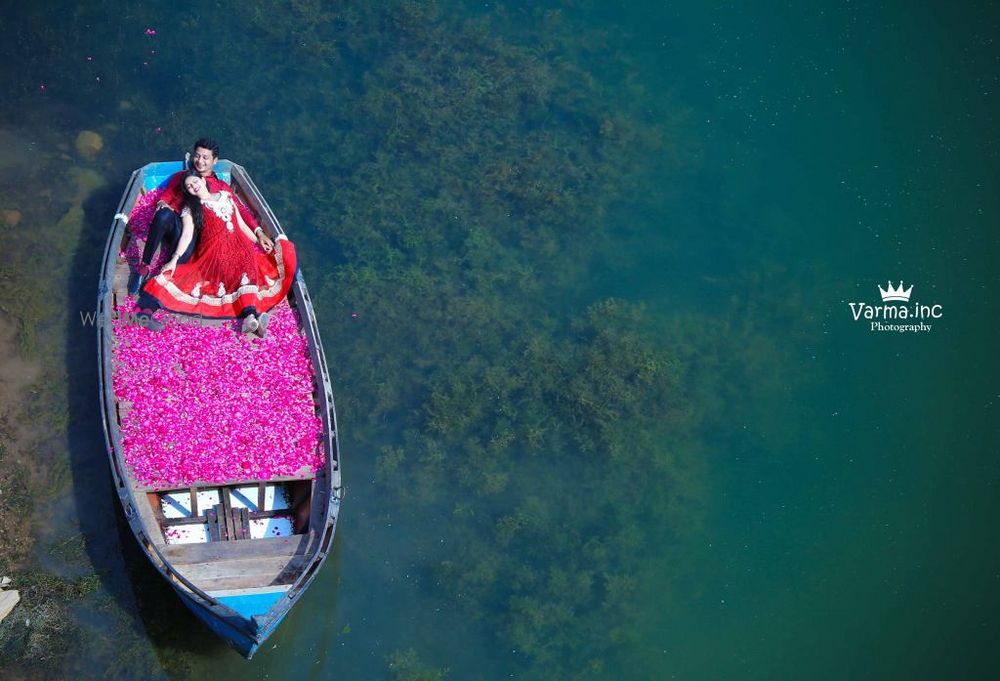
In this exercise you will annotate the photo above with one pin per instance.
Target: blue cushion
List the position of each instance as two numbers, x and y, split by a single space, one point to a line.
157 174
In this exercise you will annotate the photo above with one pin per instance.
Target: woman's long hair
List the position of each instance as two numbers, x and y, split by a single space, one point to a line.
193 203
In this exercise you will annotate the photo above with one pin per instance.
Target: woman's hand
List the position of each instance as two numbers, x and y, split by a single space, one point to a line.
264 240
169 268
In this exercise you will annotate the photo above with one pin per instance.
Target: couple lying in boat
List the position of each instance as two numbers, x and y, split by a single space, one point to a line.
222 264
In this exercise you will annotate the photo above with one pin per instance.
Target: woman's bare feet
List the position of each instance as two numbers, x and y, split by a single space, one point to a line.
262 320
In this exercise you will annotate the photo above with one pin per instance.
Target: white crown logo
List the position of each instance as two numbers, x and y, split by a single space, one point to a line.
895 293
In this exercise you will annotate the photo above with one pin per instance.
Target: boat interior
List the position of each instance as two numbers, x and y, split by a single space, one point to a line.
243 542
240 536
211 513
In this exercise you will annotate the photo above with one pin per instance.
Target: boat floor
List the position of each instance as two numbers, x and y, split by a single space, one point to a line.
218 566
225 566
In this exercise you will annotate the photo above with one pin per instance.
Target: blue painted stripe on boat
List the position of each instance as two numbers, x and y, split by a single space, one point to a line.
249 605
237 639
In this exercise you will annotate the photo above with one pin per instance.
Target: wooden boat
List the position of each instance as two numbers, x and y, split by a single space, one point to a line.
239 583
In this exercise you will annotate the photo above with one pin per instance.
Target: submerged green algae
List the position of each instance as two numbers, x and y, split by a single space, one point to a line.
470 192
405 665
452 182
44 554
478 197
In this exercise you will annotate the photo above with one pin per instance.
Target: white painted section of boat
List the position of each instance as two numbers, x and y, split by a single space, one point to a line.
280 588
271 527
187 534
178 504
275 498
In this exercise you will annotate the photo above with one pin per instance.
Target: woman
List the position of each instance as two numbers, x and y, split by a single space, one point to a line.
226 276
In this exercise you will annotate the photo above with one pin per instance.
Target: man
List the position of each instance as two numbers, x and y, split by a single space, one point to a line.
165 228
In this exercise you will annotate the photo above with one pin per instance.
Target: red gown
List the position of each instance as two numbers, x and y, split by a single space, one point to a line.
227 273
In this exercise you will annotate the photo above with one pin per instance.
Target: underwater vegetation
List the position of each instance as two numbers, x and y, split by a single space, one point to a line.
468 186
37 631
452 179
470 195
52 574
406 666
15 509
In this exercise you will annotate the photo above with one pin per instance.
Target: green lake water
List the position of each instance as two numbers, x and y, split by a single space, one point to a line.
583 273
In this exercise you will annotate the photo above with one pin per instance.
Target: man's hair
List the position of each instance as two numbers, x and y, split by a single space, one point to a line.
207 143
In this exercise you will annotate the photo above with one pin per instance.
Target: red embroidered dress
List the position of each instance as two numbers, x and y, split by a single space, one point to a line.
227 273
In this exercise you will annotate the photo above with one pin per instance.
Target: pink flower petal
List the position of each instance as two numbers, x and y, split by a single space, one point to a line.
208 405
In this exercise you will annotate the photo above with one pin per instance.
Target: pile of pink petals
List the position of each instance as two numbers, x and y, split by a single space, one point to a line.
205 404
138 224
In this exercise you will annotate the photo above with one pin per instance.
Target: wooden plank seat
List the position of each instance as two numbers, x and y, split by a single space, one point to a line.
228 512
246 573
228 524
251 515
186 554
240 564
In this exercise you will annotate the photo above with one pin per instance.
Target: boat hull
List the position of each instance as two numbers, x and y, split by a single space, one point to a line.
232 633
243 618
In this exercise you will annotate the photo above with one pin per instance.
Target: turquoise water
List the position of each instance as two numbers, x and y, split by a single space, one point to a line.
737 480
